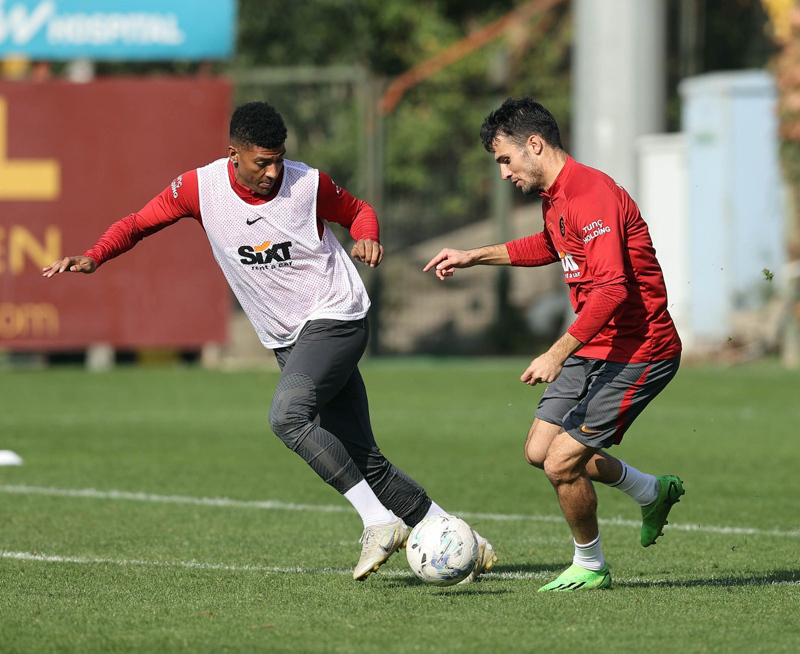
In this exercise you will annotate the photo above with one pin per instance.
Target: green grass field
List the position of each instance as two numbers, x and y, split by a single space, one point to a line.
145 562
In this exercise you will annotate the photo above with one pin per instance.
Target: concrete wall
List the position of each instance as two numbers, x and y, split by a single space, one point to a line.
713 197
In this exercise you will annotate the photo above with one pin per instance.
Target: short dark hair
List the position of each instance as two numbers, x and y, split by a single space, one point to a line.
517 119
259 124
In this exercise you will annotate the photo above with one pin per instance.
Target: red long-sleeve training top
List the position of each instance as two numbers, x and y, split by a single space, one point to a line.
181 199
616 285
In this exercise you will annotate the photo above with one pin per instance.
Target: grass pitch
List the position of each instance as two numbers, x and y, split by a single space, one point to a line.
156 511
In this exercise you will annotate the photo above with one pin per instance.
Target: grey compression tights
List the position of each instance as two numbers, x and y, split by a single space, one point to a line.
320 411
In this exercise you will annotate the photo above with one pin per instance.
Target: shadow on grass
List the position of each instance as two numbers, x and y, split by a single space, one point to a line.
445 591
498 572
774 578
530 568
472 590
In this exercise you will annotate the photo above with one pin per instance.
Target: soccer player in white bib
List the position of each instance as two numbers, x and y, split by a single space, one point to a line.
266 221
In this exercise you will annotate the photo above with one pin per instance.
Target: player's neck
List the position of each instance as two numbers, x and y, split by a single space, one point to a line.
553 165
244 185
248 194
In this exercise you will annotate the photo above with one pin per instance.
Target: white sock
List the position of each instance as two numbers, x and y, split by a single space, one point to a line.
369 507
641 487
434 509
589 556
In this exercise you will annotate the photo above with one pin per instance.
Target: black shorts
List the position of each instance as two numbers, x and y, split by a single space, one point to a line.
595 401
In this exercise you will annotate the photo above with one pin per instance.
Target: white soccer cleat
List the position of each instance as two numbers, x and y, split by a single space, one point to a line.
378 543
486 560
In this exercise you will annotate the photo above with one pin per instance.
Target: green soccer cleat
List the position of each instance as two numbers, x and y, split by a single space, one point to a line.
577 578
654 516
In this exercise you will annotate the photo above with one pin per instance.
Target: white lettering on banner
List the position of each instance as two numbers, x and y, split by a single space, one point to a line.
109 29
96 29
22 26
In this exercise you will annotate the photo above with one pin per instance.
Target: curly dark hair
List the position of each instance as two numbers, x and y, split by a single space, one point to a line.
259 124
517 119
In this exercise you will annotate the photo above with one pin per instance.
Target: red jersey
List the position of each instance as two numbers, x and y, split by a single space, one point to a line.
617 288
181 199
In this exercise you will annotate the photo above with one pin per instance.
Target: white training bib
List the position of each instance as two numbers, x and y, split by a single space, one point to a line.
282 273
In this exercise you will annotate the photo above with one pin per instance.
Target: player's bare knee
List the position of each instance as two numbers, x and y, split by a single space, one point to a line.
559 471
540 436
534 455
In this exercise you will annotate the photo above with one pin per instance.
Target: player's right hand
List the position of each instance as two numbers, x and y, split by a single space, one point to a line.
448 260
70 264
544 369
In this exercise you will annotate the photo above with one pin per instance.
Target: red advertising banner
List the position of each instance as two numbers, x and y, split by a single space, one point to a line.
73 159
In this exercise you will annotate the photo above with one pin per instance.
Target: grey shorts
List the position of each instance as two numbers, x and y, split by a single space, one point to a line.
595 401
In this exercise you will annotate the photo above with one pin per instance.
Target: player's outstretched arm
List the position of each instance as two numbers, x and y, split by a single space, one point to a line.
70 264
368 251
446 262
179 199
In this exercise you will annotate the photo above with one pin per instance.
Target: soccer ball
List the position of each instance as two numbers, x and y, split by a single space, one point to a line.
442 550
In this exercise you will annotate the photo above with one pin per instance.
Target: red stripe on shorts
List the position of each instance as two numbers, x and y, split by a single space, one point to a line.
627 400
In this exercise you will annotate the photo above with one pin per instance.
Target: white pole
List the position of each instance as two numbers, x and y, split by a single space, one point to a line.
620 80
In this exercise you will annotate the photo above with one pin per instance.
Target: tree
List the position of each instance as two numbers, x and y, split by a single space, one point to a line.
435 166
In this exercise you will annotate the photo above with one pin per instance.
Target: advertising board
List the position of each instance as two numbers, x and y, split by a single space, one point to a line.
75 158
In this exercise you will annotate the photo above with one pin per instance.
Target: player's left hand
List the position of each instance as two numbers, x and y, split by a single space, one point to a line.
543 370
368 251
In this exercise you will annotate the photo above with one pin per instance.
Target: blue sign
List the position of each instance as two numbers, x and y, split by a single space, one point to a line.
117 29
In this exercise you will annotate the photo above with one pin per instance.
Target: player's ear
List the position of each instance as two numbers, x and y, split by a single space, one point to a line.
233 155
535 143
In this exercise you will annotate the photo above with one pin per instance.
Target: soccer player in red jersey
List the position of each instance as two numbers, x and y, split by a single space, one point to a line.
266 222
620 352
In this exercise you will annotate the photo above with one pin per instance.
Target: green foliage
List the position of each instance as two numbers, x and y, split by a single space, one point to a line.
388 36
736 35
436 171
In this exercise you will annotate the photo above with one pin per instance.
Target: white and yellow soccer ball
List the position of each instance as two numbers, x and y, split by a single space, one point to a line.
442 550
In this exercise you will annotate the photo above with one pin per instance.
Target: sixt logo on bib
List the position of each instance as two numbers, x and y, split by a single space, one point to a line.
266 254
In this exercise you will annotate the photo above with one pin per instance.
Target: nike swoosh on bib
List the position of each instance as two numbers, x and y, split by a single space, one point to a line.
250 222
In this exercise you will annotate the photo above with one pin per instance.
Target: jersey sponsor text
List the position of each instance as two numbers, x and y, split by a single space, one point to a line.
594 229
569 265
264 254
176 184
